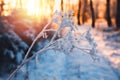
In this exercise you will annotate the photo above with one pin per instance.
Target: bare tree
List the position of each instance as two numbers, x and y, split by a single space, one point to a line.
78 15
108 14
93 14
21 5
1 7
118 15
84 11
61 5
51 3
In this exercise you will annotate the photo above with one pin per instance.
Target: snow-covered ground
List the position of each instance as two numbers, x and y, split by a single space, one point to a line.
77 65
109 46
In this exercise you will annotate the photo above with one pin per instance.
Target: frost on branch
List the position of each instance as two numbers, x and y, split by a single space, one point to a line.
72 36
66 38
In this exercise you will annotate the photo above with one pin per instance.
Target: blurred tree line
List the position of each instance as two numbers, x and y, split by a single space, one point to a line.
95 9
84 9
15 42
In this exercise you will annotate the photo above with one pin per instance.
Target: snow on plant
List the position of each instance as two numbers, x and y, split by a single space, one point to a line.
65 39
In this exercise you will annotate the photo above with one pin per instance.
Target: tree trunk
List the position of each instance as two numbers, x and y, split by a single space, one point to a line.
93 14
1 6
108 14
61 5
84 11
78 15
118 15
21 4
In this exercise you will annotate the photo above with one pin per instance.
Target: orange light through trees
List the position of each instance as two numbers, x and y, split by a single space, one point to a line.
37 7
32 7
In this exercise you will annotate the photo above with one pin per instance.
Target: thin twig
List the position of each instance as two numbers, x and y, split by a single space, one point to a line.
50 30
25 58
38 36
88 49
25 61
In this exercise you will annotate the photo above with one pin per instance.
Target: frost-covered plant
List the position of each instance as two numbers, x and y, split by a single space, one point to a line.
65 39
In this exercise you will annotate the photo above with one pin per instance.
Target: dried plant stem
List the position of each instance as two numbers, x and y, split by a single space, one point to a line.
50 45
38 36
25 60
50 30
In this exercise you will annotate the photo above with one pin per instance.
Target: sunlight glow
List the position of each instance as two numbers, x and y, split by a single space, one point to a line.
37 7
32 7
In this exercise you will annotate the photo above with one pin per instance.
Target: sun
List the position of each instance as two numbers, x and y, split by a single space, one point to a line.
38 8
33 7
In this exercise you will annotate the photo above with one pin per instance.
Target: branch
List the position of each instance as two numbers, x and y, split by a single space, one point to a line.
49 30
25 60
38 36
88 49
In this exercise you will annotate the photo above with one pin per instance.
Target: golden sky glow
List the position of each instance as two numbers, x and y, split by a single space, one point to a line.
37 7
32 7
